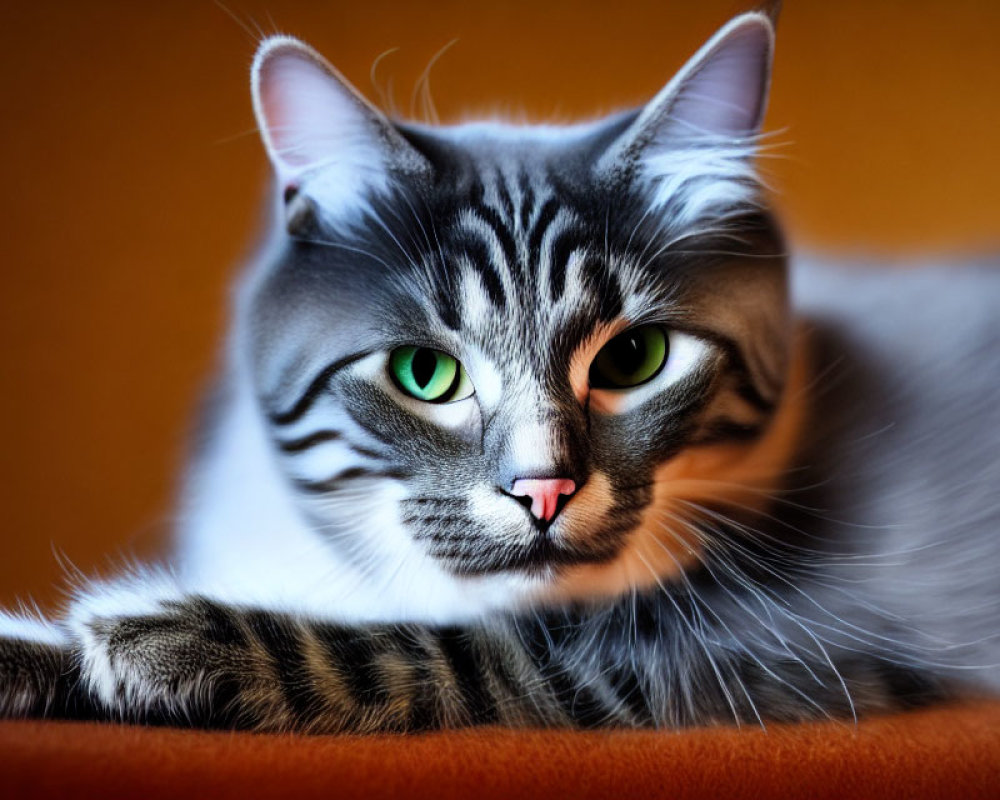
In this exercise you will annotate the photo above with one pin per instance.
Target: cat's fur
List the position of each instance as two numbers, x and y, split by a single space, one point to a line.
796 518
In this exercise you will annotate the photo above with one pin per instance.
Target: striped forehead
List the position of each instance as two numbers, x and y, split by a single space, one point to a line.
528 277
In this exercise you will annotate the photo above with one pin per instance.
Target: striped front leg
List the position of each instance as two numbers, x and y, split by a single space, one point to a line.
197 662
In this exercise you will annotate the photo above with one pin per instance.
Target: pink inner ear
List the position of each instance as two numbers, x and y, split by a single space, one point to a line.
725 96
309 117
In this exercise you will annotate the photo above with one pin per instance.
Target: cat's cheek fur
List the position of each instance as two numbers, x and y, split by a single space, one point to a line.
667 542
588 510
486 503
653 552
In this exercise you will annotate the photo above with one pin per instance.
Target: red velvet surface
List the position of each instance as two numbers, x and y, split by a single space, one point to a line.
940 753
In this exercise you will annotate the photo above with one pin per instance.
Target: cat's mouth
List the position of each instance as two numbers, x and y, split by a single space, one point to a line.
543 556
550 549
495 533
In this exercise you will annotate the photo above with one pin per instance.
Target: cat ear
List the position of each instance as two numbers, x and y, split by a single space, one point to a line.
321 135
719 96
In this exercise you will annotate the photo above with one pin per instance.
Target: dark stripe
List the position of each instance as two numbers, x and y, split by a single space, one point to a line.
44 681
578 701
727 430
423 705
909 687
282 643
223 707
467 566
745 387
478 254
221 625
332 484
455 553
625 683
313 390
365 451
507 243
445 303
504 194
543 640
352 654
462 658
545 217
306 442
458 532
444 501
605 286
527 200
345 476
477 191
748 392
512 686
437 518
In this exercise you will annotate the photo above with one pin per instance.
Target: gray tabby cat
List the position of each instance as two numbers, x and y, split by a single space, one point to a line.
518 427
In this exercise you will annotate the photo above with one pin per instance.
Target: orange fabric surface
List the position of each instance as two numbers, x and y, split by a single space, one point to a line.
946 752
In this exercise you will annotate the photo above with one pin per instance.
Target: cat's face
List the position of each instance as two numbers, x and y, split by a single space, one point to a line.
506 351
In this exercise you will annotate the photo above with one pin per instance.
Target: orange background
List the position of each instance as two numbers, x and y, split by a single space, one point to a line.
132 182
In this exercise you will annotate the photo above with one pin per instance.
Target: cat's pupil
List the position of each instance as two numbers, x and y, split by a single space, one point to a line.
629 352
423 366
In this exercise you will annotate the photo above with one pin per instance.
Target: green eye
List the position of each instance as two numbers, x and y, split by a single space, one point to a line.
428 375
630 359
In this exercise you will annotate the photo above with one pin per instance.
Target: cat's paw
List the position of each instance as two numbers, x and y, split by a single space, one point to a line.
165 661
159 655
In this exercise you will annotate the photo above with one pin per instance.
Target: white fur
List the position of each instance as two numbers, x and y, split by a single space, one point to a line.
322 461
31 628
485 377
475 302
701 183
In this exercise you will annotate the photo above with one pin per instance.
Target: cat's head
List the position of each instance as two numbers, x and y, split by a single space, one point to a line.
505 354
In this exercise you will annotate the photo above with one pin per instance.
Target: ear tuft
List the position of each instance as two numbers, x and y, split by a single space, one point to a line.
692 146
720 94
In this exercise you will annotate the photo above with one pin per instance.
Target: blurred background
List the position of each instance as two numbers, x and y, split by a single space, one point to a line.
132 183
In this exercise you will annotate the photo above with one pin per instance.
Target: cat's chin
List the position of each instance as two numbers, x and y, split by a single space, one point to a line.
555 570
543 559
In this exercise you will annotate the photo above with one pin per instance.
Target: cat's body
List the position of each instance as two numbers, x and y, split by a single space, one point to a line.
517 427
902 453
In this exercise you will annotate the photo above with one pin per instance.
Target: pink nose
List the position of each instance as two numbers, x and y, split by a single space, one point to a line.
544 494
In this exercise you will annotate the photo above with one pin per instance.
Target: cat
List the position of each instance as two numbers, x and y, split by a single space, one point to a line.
529 425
